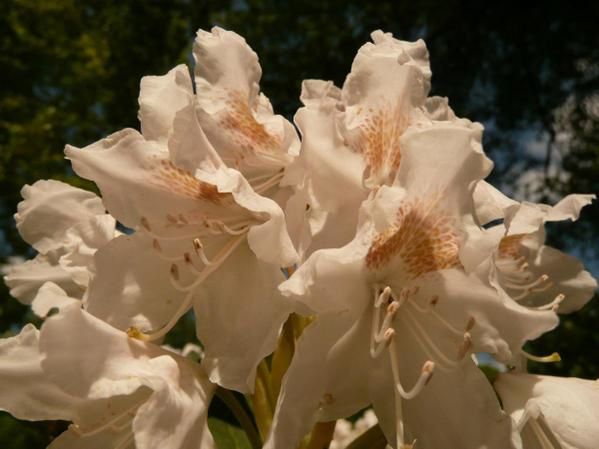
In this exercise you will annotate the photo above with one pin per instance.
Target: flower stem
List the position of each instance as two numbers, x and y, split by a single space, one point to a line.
263 411
246 423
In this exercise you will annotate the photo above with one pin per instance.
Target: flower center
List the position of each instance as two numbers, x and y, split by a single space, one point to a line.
405 307
254 145
424 238
515 275
378 141
180 181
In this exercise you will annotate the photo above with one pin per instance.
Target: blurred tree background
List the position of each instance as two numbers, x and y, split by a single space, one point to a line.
70 73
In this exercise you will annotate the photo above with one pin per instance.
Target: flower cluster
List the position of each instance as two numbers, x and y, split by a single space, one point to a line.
362 265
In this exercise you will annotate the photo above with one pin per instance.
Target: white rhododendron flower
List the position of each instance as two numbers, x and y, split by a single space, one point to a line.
66 226
199 222
145 397
552 412
398 290
534 274
359 267
351 136
237 118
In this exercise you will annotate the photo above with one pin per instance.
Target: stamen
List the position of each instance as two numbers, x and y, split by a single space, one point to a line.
540 280
551 358
553 305
381 334
199 249
470 324
383 297
190 264
465 346
430 309
261 188
218 226
218 260
175 272
146 224
260 178
425 374
186 303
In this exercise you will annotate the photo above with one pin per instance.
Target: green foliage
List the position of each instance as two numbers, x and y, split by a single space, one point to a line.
226 436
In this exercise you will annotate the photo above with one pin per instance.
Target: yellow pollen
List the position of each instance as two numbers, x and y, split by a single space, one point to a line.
424 239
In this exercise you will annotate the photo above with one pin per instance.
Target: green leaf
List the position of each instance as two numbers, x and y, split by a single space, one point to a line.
228 436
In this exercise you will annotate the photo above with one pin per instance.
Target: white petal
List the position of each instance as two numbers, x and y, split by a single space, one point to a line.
49 208
437 108
330 280
501 325
327 378
388 80
239 313
25 392
138 180
188 145
24 280
323 150
84 240
160 98
132 285
50 296
224 59
238 121
569 405
529 217
175 417
457 408
444 159
102 362
490 204
568 277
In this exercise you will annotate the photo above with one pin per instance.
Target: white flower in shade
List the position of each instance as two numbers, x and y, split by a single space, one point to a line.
203 234
237 118
168 395
552 412
66 226
351 136
395 305
532 273
117 392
